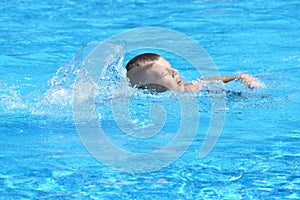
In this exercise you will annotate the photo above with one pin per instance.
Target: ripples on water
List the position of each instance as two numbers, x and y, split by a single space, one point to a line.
245 156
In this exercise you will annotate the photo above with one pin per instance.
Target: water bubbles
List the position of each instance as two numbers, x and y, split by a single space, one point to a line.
11 100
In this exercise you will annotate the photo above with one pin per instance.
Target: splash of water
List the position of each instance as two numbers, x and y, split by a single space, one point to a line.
57 100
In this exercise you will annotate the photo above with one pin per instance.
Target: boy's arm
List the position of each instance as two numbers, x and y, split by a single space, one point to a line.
224 79
246 79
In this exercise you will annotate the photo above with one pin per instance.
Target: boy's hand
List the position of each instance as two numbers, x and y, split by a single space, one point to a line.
249 81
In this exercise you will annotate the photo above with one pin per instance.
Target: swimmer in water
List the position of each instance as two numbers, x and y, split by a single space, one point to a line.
151 71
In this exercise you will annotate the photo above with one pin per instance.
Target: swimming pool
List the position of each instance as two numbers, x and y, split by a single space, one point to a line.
257 154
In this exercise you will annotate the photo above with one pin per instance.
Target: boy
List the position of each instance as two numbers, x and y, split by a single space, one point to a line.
151 71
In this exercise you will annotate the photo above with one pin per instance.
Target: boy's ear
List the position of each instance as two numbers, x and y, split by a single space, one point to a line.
136 77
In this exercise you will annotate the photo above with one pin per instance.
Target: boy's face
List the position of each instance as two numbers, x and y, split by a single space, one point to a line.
163 74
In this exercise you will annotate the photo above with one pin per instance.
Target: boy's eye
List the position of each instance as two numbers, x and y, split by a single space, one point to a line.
165 73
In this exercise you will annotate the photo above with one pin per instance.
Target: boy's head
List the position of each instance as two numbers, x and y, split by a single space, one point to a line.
151 71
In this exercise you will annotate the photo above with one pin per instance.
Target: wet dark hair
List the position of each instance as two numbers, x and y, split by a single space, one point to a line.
142 63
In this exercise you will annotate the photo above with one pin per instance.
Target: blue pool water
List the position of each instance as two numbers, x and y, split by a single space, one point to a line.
257 155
